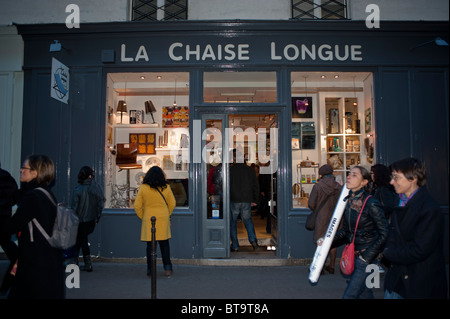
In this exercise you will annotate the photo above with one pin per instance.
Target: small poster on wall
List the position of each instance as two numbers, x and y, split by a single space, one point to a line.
302 107
175 116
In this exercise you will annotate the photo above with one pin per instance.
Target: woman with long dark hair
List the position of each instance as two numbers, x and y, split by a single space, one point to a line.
155 198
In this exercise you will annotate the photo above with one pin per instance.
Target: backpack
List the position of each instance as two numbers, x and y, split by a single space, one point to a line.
65 228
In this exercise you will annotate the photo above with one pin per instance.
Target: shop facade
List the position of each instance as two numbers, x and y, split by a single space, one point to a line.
213 75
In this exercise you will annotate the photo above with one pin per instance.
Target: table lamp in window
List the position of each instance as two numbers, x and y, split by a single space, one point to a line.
150 108
121 108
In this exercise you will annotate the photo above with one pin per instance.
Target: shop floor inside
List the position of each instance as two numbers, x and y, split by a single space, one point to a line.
267 247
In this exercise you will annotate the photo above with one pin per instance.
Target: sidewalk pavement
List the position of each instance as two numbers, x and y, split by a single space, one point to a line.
126 280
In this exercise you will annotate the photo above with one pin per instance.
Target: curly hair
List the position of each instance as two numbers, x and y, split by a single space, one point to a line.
155 177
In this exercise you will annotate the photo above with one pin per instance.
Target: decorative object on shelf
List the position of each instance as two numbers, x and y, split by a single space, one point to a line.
150 108
139 177
145 142
139 117
132 116
121 108
152 161
295 143
167 162
302 107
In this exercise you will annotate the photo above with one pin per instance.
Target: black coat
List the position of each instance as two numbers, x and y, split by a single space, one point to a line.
8 193
372 229
415 249
40 270
244 186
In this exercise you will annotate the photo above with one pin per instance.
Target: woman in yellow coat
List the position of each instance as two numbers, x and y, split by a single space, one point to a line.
155 198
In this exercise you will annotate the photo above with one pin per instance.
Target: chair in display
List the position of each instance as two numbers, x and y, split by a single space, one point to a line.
126 160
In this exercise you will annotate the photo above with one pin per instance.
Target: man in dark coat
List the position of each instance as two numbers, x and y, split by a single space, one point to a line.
414 247
244 193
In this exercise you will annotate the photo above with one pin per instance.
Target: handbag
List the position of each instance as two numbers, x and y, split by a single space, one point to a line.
347 262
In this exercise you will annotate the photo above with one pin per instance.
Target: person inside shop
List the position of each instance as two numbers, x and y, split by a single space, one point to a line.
88 201
8 198
414 248
155 198
371 233
40 271
322 201
244 193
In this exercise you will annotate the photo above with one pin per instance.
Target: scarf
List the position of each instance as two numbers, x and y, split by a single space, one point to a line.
356 200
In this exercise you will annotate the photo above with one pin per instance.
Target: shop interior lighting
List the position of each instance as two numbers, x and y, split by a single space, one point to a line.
121 108
355 103
306 93
122 105
175 96
150 108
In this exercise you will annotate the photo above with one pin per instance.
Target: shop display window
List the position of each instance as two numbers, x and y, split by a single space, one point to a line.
147 125
332 123
240 87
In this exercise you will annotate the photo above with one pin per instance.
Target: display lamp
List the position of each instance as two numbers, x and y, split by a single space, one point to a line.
121 108
150 108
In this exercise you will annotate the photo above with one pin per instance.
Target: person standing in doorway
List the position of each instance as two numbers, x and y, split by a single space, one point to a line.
244 193
324 196
155 198
414 248
88 201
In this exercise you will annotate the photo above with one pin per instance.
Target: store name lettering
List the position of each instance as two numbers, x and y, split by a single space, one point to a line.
241 52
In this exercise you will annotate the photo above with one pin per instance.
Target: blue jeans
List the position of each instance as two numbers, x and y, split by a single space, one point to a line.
356 287
392 295
245 210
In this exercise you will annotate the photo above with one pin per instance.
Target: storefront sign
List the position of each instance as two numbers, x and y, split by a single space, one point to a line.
237 52
59 86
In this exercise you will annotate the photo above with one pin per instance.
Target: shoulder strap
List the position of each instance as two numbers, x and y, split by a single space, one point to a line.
161 195
47 194
357 222
36 223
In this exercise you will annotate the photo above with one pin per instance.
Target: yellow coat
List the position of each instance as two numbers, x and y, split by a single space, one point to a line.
148 203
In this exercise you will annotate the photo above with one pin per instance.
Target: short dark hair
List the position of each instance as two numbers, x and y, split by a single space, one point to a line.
155 177
411 167
84 174
381 174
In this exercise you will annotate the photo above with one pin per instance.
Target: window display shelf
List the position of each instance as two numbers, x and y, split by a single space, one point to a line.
152 125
